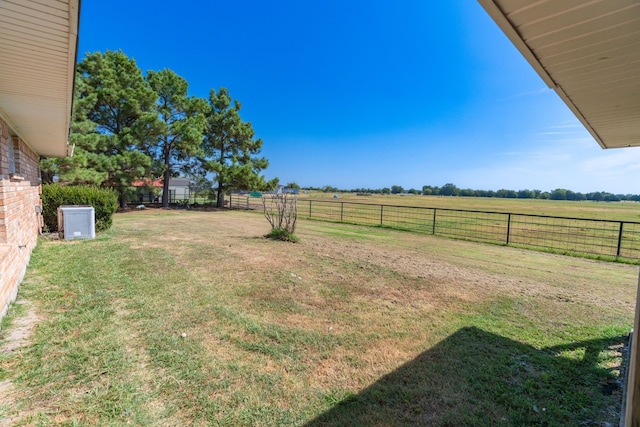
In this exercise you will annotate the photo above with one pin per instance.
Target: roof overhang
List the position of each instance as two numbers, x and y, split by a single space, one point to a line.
38 41
588 52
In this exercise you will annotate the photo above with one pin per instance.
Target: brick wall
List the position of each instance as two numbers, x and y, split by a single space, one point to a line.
20 221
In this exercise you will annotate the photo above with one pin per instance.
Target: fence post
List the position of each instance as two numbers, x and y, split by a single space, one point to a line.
433 227
508 227
341 211
619 238
381 212
309 208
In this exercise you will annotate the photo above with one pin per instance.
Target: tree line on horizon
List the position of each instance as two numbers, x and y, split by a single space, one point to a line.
129 127
452 190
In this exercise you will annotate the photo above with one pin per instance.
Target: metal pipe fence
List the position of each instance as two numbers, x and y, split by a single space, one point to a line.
578 236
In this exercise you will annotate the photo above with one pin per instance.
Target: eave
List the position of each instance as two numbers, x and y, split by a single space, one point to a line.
38 41
588 52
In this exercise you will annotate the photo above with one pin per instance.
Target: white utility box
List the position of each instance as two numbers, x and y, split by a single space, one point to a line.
76 222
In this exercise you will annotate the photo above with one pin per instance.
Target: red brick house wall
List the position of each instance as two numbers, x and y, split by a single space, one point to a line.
20 218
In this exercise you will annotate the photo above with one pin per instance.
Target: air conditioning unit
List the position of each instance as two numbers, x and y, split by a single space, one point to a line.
76 222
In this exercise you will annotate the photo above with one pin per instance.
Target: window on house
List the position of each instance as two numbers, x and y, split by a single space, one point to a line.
14 156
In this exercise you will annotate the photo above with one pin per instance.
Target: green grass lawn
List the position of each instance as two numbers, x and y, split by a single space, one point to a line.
193 318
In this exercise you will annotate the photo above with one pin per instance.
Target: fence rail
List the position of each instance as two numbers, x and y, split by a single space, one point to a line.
580 236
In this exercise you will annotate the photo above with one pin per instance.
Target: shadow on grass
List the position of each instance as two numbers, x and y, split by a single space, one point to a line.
476 378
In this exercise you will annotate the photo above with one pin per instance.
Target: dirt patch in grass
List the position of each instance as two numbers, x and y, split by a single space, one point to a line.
20 331
17 336
469 283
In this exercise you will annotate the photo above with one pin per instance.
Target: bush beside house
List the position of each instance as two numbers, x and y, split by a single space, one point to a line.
104 202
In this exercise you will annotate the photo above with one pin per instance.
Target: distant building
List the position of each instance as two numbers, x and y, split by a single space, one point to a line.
286 190
150 191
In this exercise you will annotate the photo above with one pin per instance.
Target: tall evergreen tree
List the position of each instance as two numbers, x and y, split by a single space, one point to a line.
84 166
114 120
183 122
230 148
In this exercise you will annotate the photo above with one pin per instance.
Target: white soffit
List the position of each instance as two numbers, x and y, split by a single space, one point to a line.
588 51
38 41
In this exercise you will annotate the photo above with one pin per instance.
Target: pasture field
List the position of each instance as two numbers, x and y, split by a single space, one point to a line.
586 229
193 318
612 211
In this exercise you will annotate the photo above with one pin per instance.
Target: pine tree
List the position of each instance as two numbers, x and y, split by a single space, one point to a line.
114 120
183 121
230 148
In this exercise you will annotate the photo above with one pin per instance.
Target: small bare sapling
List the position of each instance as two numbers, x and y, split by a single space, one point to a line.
281 210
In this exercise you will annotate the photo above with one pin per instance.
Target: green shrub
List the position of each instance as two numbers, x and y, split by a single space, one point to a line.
104 202
282 234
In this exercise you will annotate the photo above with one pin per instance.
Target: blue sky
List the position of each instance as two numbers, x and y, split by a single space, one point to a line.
370 94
